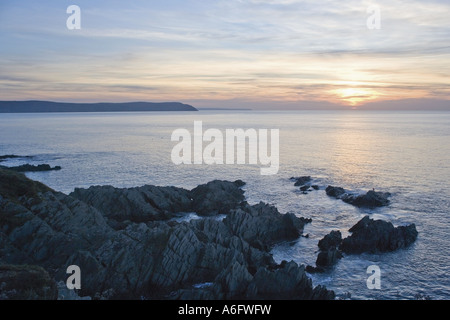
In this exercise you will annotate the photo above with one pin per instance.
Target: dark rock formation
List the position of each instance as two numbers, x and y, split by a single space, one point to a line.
371 199
372 236
150 203
217 197
25 282
335 192
42 227
301 181
304 188
32 168
304 183
287 281
311 269
139 204
368 235
331 240
329 253
328 258
263 224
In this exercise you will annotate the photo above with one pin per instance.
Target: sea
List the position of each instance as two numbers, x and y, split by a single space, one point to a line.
401 152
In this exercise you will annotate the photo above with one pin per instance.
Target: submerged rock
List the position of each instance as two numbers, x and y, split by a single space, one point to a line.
373 236
305 184
301 181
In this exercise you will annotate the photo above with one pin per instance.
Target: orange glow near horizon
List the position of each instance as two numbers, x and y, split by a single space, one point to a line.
355 96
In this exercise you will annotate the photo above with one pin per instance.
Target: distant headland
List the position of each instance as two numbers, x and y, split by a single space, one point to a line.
50 106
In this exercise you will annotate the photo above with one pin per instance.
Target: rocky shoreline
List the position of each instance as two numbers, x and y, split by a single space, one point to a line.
128 245
140 252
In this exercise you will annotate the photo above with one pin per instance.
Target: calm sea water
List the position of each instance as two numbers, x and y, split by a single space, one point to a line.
407 154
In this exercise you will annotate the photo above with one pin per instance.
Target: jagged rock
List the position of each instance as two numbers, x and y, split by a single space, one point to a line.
371 199
234 281
263 223
26 282
315 187
331 240
329 255
152 259
372 236
140 204
287 283
328 258
149 203
48 230
304 188
301 181
217 197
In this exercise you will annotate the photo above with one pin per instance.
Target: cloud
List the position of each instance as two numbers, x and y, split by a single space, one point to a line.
271 49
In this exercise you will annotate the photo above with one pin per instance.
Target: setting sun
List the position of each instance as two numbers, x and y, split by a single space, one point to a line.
355 96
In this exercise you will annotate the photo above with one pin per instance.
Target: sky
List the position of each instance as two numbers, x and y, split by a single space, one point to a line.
283 54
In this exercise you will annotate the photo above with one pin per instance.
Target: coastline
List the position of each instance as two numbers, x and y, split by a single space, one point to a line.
131 233
35 106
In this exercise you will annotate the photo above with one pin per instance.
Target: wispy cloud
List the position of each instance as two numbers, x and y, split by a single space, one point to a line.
245 49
